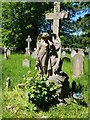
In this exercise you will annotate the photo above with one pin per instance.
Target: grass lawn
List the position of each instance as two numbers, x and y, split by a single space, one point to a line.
15 101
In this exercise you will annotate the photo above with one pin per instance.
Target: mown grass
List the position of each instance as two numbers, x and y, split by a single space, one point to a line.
14 69
15 101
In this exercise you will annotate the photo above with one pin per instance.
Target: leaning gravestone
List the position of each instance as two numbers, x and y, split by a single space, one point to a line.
78 60
5 52
8 82
26 63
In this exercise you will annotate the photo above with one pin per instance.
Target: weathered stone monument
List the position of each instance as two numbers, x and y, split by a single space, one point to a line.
56 16
8 82
78 60
48 56
28 48
5 52
26 63
80 51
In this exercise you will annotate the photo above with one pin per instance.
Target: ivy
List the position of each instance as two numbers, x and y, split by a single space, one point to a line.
39 92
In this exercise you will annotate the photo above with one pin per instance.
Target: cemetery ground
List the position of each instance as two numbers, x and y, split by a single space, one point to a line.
15 101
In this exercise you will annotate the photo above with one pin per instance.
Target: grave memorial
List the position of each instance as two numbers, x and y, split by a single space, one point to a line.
28 48
56 16
5 52
48 53
78 65
26 63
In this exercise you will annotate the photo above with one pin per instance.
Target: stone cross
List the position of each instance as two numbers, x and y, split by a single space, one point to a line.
56 16
28 40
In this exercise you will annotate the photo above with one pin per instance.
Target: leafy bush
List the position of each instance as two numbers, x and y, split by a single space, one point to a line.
39 92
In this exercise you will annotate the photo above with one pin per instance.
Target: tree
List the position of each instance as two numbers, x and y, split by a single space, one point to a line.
20 19
71 27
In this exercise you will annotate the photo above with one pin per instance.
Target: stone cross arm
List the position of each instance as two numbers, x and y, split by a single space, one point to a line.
28 39
57 15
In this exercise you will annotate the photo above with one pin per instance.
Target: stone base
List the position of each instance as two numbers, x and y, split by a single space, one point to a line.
61 80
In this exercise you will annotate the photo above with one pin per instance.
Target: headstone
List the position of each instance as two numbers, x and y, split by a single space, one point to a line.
34 53
8 52
26 63
5 53
73 52
80 51
63 54
28 48
8 82
78 65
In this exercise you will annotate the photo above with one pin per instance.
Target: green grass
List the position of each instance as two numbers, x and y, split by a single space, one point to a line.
14 69
15 101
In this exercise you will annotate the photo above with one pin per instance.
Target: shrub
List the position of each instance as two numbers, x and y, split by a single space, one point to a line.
39 92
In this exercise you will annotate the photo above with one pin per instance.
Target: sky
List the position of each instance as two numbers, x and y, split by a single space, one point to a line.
81 14
78 14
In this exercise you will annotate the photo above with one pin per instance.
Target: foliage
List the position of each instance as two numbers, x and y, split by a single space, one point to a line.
14 69
19 19
15 102
75 29
39 92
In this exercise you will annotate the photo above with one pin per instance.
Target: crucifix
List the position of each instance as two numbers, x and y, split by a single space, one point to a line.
56 16
28 48
29 40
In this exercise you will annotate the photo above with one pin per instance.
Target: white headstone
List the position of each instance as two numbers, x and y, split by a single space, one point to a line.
26 63
78 65
5 53
8 82
63 54
73 53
